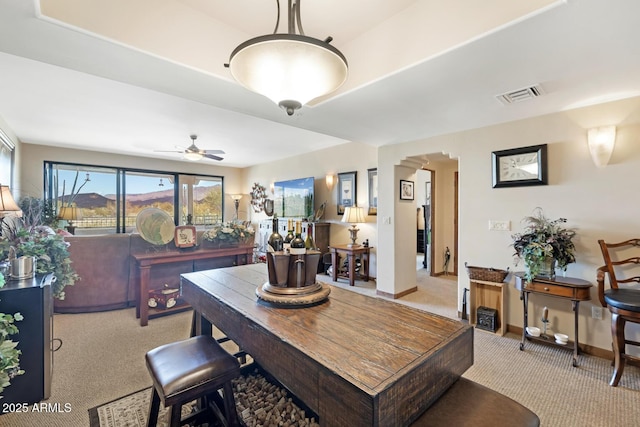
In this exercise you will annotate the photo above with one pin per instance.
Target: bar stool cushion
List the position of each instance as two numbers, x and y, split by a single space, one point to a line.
186 370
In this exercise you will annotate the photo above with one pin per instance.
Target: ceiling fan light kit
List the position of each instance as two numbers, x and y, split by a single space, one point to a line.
290 69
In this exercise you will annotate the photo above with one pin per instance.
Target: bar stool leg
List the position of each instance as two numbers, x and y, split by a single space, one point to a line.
230 404
176 415
154 407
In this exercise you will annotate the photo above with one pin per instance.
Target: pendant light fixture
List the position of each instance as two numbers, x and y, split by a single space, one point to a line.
290 69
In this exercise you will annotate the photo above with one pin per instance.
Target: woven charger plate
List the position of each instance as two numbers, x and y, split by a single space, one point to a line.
294 300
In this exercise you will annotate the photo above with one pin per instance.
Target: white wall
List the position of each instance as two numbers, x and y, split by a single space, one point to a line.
343 158
599 203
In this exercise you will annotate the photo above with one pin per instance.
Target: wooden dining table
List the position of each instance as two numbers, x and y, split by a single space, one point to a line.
355 360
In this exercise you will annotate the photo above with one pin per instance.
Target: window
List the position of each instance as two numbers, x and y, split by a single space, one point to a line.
6 159
109 199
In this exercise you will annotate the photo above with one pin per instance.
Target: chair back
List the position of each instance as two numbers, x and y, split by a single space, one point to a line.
621 264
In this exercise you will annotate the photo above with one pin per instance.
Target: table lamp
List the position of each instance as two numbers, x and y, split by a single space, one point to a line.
7 204
70 214
353 215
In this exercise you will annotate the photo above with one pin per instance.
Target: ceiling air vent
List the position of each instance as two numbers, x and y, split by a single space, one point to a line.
520 94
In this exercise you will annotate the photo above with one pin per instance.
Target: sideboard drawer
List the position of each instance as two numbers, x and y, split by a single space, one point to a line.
547 288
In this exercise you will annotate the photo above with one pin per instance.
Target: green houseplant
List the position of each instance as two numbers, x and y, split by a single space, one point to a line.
9 354
229 233
32 235
544 244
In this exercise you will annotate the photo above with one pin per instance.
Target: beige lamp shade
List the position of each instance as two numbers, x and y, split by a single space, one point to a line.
353 215
70 213
7 203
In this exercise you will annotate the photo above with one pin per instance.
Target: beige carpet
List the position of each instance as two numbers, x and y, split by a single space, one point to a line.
102 358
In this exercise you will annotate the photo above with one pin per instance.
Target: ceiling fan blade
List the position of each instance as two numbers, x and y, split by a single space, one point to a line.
211 156
212 152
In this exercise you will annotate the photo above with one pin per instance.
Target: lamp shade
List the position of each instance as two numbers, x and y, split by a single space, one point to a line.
353 215
289 69
70 213
601 141
7 203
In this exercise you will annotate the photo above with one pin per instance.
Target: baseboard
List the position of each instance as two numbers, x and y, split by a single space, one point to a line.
398 295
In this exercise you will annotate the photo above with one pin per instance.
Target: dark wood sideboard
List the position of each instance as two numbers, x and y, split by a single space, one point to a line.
33 299
185 261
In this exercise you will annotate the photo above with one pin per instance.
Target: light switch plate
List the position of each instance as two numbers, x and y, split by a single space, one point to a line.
495 225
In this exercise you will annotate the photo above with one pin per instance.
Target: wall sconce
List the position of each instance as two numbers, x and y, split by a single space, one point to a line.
601 141
329 181
236 201
272 187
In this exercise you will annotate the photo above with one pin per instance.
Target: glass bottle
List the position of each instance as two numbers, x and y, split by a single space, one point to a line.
309 243
297 244
276 242
289 237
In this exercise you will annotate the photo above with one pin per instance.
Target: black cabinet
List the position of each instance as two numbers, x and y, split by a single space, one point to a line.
33 299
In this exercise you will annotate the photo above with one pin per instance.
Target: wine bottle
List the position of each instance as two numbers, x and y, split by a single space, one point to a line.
289 237
297 243
309 244
276 241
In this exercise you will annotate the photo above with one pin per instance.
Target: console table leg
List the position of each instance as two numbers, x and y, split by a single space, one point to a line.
576 348
525 309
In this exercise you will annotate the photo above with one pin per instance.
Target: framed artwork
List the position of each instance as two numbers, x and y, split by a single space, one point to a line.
185 236
406 190
346 190
519 167
373 191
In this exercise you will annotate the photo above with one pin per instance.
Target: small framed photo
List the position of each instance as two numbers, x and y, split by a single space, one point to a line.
519 167
346 190
406 190
373 191
185 236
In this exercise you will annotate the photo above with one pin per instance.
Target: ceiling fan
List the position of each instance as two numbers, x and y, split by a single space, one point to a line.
194 153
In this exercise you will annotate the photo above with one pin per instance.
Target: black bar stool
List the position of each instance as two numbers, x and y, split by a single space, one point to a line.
192 369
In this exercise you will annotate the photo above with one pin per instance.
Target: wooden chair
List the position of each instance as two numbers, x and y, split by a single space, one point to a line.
622 298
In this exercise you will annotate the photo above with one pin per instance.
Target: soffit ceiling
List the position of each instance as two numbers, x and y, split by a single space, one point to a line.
131 77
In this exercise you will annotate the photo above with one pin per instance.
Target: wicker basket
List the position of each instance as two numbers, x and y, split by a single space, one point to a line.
487 274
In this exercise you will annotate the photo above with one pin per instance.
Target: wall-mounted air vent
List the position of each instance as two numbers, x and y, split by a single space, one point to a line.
520 94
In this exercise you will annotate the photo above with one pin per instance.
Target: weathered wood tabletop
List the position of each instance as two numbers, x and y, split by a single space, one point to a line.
353 359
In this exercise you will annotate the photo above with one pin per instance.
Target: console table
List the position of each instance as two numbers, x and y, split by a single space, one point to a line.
351 252
225 257
569 288
354 360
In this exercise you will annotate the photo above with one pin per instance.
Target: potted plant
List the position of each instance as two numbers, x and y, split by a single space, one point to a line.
229 234
544 245
9 354
29 236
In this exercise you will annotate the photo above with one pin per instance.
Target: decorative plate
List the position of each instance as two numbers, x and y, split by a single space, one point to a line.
155 226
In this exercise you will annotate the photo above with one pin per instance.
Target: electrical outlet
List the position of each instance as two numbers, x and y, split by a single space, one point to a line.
386 220
596 312
499 225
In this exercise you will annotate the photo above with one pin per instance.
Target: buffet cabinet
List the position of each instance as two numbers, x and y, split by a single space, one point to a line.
33 299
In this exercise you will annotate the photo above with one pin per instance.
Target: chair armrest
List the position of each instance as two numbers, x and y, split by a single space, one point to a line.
602 271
